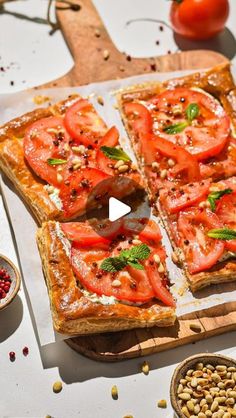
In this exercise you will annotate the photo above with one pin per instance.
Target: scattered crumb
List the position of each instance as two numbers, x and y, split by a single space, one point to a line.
121 68
12 83
38 100
128 57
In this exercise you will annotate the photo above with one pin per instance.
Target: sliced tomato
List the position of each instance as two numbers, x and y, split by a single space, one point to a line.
201 251
158 283
139 117
41 143
135 286
76 190
182 197
226 211
145 228
83 234
83 123
186 163
111 139
208 133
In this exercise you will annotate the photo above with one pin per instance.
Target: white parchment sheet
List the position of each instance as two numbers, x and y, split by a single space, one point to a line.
25 228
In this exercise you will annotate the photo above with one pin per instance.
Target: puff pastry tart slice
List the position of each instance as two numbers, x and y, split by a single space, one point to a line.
200 219
55 157
104 276
183 130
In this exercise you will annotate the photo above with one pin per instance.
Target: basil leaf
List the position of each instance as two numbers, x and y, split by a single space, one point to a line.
192 111
115 153
113 264
213 196
127 257
136 265
140 252
224 234
56 161
176 128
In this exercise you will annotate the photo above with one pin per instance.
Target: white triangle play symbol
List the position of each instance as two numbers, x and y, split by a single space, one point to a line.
117 209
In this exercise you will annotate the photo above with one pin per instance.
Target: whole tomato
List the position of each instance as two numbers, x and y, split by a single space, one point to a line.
199 19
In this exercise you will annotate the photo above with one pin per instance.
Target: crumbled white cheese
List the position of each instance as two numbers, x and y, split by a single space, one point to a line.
104 300
53 194
65 242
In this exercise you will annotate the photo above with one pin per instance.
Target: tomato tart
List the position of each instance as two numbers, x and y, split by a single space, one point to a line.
183 130
104 276
200 219
56 156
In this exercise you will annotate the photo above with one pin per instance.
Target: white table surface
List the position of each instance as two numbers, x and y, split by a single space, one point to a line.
30 57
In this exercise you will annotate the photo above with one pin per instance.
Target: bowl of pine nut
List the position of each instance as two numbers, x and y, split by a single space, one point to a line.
204 386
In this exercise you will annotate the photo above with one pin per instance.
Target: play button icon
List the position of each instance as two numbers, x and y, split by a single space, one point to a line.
117 209
115 198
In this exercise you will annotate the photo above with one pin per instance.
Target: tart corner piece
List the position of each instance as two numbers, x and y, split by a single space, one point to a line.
73 312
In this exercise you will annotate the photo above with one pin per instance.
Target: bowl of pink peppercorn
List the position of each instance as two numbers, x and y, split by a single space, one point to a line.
9 281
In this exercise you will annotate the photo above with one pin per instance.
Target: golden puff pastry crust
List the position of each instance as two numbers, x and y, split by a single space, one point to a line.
222 272
72 312
14 166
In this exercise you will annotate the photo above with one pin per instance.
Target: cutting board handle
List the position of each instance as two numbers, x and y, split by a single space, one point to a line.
80 29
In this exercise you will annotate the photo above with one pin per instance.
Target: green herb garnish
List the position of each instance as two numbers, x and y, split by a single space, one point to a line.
127 257
213 196
115 153
224 234
191 112
176 128
56 161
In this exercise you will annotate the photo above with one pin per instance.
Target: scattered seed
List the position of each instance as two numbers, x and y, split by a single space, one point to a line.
57 387
145 368
116 283
162 403
195 327
114 392
106 54
123 168
97 33
100 100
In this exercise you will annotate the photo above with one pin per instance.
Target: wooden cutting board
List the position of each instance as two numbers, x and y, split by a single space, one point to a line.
81 30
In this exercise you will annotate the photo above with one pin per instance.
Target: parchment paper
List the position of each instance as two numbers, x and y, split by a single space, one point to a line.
25 228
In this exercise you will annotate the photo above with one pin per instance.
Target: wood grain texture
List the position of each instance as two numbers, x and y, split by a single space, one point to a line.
79 30
90 66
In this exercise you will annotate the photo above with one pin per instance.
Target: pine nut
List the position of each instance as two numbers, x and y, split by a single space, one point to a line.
119 164
116 283
163 174
123 168
156 258
155 166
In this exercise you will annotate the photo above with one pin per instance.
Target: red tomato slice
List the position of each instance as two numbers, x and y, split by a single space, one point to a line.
158 283
201 251
180 198
135 286
146 229
40 144
111 139
75 191
208 133
83 123
139 117
226 211
186 163
82 234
